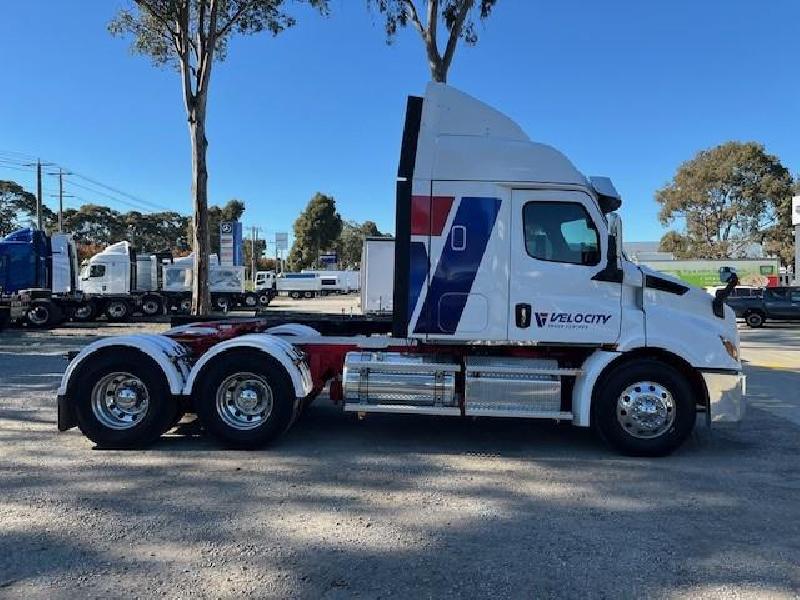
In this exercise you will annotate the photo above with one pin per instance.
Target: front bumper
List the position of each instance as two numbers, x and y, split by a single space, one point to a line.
726 396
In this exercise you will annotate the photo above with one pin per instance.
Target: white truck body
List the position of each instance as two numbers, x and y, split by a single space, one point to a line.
119 269
338 282
377 275
302 284
511 298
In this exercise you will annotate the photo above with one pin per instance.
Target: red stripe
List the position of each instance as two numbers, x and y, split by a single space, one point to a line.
429 214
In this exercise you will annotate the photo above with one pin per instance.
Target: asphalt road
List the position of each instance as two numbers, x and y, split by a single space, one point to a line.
399 506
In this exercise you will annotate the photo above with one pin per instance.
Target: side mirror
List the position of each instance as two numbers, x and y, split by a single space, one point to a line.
725 274
615 230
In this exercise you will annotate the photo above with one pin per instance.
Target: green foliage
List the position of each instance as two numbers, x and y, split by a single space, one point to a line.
727 198
458 17
351 241
316 230
155 25
18 206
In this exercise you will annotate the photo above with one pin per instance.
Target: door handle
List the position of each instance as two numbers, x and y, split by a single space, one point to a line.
522 313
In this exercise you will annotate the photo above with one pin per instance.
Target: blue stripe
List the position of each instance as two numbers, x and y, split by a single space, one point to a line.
418 273
457 269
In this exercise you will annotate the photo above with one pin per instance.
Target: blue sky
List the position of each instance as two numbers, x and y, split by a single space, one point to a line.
625 88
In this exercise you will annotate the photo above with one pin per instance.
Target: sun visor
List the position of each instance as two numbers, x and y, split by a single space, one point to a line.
607 195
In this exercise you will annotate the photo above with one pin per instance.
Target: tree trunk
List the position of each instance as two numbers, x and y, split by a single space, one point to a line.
438 71
201 298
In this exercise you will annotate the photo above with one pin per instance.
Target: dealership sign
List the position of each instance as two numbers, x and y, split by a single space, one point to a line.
230 244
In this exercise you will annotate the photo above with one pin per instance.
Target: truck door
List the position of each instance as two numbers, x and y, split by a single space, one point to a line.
559 289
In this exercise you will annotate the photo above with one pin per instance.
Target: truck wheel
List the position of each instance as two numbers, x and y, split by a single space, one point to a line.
245 400
221 303
85 312
251 300
185 306
309 294
294 295
754 319
644 408
151 306
264 299
117 310
44 314
122 399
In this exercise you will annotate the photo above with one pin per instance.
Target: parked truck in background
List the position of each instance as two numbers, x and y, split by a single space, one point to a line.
298 285
511 299
752 272
40 281
38 277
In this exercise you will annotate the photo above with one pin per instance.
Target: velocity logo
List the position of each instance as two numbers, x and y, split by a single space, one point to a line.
564 319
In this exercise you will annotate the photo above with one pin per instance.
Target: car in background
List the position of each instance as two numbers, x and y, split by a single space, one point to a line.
774 303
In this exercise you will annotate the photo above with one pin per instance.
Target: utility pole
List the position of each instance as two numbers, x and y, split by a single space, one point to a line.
61 196
38 194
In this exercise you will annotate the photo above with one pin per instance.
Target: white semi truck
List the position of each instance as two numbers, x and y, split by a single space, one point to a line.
120 281
512 299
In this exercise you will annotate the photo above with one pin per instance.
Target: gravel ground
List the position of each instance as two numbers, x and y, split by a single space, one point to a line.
399 506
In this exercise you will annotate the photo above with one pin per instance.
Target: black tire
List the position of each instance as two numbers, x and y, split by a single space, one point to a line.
43 314
264 298
152 306
221 303
294 295
85 312
309 294
117 310
270 371
609 400
251 300
754 319
158 417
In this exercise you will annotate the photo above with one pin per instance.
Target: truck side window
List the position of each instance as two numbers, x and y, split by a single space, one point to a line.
560 232
97 271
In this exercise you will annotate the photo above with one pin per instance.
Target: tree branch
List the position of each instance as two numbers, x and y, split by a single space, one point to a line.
455 33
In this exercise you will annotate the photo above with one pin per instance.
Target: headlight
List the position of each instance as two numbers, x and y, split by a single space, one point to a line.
731 348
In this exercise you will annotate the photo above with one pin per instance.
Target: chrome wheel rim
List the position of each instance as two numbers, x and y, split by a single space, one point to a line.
38 315
250 300
646 409
244 401
116 310
120 400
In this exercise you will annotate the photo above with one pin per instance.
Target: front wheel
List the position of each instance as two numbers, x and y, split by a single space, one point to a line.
122 399
251 300
245 400
644 408
754 319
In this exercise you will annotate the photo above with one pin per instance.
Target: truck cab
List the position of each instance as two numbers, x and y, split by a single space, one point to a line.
510 298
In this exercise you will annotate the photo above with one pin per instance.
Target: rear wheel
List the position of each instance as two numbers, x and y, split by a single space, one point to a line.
264 299
122 399
85 312
294 295
245 400
309 294
221 303
117 310
754 319
151 306
644 408
251 300
44 314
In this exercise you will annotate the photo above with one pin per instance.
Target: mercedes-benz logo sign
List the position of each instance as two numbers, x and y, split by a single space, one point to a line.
227 227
